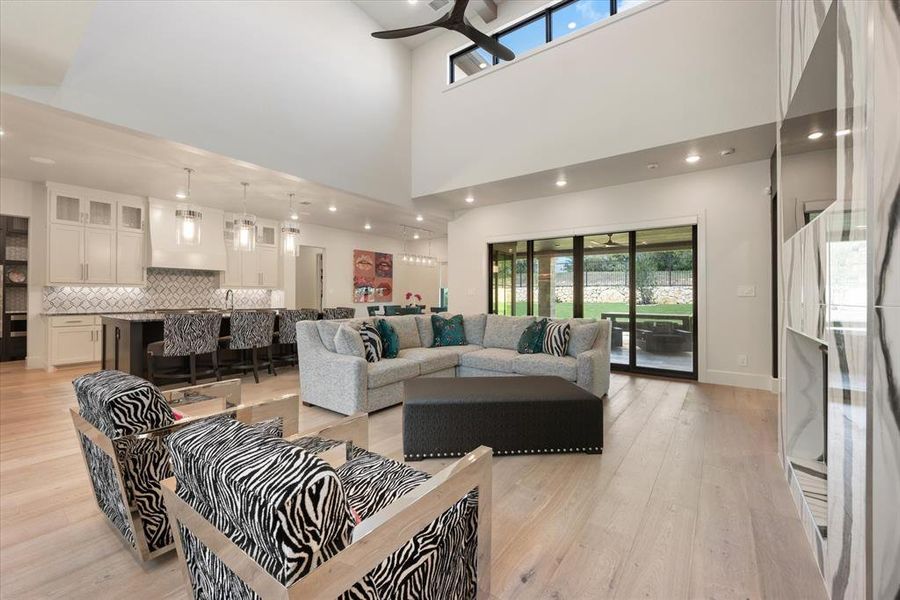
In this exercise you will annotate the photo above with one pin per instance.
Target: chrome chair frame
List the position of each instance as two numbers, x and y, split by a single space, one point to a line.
287 407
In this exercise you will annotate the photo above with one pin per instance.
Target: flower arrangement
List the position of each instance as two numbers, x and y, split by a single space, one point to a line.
409 299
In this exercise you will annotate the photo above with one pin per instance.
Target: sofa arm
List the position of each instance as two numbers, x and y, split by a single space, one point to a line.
593 371
333 381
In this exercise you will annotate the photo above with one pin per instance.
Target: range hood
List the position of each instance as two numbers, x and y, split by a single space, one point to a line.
165 252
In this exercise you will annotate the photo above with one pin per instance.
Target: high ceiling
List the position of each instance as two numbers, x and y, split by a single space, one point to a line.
395 14
101 156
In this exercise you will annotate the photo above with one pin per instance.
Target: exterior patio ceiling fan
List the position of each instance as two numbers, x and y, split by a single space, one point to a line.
455 20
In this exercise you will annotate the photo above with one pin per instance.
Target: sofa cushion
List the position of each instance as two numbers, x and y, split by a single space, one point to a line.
474 326
348 341
504 332
490 359
426 333
582 337
448 332
532 340
391 370
390 343
556 338
544 364
120 404
407 330
327 331
371 342
431 360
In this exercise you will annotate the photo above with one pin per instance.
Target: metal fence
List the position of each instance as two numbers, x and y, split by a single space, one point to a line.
620 278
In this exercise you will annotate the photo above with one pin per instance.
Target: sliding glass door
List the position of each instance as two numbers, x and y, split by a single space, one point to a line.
644 282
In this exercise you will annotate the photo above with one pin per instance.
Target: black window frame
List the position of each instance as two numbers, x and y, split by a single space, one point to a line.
546 13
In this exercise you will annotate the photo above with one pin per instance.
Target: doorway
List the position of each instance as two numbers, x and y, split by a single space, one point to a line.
310 280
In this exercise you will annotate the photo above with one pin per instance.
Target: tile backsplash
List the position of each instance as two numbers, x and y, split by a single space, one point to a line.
166 288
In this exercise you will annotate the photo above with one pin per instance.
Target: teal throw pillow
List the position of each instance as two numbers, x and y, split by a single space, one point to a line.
448 332
390 342
532 339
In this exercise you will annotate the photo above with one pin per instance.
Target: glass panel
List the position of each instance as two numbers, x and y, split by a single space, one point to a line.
576 15
508 272
131 217
470 63
266 235
664 296
100 213
552 267
623 5
528 36
606 288
68 209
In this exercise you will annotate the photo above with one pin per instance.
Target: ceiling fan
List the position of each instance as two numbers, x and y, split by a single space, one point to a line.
455 20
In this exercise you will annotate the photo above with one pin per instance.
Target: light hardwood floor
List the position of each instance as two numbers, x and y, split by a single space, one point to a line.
686 501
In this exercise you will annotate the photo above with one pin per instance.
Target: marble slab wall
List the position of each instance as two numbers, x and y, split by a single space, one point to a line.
166 288
799 22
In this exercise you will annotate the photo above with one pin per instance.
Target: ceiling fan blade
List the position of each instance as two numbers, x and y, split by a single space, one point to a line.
487 43
393 34
458 10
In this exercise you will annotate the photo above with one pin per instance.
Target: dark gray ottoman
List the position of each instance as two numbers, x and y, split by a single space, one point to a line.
445 416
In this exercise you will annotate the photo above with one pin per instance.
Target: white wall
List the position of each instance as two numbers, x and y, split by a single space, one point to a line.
307 290
669 72
339 245
732 212
29 199
299 87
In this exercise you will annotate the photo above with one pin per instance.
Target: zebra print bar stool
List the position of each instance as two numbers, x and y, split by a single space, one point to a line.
341 312
251 330
186 334
287 332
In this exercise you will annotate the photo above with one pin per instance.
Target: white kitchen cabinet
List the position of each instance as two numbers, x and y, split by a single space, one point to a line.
66 209
99 255
250 268
232 276
268 267
69 208
266 234
74 339
130 258
100 214
66 254
132 216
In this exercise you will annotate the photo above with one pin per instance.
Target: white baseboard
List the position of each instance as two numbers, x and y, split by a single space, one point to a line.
35 362
755 381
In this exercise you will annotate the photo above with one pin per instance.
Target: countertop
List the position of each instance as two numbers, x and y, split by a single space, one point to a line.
147 315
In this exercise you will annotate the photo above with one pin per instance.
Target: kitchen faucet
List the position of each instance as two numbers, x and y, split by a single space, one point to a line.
229 293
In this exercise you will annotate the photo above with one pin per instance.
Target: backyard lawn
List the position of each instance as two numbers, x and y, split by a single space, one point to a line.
593 310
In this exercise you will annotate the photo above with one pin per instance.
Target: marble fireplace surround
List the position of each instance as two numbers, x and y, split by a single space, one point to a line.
165 289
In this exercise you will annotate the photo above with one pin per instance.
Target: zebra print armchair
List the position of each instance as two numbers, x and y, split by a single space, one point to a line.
121 425
252 530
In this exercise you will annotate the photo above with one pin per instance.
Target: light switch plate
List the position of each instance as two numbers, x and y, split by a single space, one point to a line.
746 291
742 360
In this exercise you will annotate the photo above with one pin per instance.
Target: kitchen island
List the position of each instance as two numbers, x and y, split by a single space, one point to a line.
125 337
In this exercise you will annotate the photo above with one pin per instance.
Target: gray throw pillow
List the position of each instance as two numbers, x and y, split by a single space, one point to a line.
582 337
348 341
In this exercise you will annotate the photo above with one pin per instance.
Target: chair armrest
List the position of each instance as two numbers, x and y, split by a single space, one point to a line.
374 539
353 429
229 390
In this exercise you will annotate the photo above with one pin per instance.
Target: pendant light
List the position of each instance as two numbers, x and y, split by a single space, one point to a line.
290 232
244 227
187 217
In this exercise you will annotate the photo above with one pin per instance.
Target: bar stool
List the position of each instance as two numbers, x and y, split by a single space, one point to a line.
287 332
186 334
250 330
341 312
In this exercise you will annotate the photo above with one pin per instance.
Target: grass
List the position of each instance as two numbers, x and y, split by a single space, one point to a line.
595 309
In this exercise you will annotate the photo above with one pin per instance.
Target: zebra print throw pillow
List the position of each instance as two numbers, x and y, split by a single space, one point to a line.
556 338
372 342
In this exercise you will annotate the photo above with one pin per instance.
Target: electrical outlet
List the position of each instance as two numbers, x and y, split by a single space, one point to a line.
746 291
742 360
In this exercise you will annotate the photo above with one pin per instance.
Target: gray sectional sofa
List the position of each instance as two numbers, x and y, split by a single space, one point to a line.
346 383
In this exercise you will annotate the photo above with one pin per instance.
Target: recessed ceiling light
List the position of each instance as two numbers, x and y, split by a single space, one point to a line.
367 226
470 199
332 208
415 236
815 135
692 158
842 133
413 1
652 166
572 25
726 152
181 195
482 65
561 182
42 160
420 218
